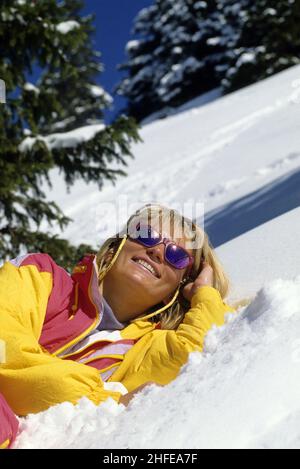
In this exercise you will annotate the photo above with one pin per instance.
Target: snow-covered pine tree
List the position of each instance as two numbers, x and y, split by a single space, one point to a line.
176 56
268 43
53 119
228 17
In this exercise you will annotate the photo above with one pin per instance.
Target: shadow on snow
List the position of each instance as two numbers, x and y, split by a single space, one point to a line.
254 209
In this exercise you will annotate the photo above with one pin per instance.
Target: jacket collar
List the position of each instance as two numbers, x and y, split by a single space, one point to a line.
85 274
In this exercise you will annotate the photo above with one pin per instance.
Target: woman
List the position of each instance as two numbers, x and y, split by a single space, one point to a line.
127 317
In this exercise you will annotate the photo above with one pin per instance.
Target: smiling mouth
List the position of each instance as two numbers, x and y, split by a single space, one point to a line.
145 266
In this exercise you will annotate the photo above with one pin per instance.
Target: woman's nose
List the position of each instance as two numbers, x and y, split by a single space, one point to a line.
156 252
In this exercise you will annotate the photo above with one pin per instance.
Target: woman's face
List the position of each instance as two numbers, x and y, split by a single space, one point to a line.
147 288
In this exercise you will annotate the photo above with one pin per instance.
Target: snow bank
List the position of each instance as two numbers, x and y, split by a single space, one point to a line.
64 139
242 392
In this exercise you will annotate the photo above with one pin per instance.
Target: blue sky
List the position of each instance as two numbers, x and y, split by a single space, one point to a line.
114 21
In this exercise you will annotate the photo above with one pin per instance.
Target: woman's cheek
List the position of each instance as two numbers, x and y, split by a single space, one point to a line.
172 281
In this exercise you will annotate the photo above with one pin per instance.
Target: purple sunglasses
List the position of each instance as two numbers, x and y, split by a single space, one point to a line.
175 255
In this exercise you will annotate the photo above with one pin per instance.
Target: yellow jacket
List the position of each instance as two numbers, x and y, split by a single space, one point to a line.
37 322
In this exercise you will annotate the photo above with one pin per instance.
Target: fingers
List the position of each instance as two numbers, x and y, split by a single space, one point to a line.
204 278
205 275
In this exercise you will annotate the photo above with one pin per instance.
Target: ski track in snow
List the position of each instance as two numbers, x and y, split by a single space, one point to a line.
232 184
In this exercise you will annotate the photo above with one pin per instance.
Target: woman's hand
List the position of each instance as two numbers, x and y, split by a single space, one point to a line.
206 277
127 397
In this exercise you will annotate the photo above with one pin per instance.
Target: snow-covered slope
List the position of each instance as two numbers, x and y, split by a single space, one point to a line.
262 254
240 156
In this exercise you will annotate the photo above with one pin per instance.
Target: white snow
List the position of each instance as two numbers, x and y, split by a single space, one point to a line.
200 5
246 57
270 11
176 75
240 156
177 50
98 91
131 45
269 251
32 88
242 392
66 26
63 139
213 41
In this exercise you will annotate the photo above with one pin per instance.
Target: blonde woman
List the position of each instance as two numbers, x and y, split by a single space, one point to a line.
126 317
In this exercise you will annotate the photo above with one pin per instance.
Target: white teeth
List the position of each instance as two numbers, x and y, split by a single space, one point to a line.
148 266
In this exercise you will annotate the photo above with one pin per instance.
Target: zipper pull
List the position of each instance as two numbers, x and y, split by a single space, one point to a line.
75 305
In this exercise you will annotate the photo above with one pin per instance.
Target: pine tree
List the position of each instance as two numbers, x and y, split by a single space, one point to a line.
53 118
268 43
186 47
176 56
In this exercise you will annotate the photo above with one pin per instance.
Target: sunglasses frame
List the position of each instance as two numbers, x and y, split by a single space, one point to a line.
166 242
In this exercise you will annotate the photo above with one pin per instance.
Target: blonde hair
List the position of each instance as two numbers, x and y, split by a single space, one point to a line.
171 315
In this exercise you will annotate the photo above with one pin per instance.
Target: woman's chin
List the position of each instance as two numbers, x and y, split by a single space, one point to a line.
140 279
140 284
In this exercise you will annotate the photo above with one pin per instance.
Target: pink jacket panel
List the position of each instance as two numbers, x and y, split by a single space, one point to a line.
74 305
9 424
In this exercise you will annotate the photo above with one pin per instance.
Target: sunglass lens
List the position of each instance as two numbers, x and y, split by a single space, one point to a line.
147 236
177 256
